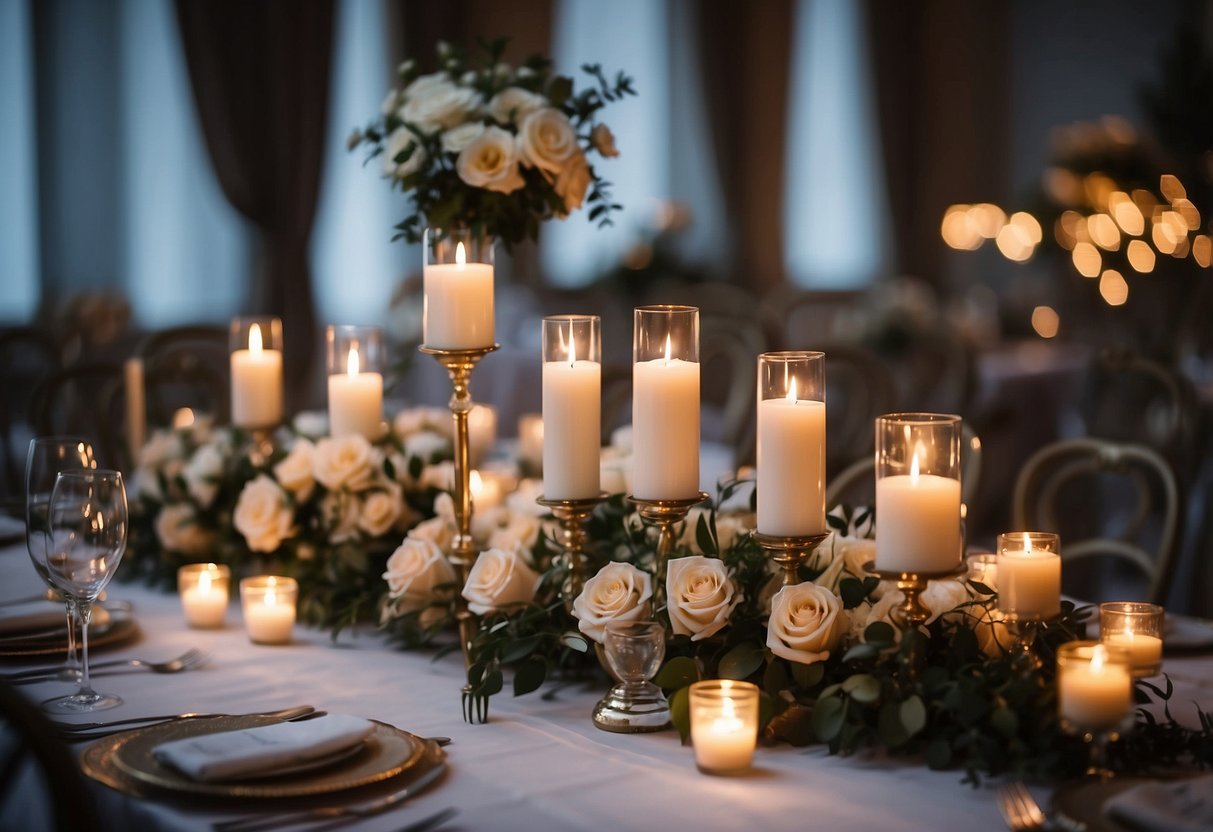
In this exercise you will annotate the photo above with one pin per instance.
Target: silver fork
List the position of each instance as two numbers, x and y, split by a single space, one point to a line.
188 660
1019 809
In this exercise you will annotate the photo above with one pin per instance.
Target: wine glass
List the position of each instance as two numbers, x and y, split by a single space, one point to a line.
86 539
47 456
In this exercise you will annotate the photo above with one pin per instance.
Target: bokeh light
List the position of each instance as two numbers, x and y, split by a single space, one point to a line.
1171 188
1127 215
1103 232
1087 260
1045 321
1202 251
957 231
1113 288
988 219
1141 256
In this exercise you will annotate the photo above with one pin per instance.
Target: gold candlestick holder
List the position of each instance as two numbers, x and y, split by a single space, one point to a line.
911 612
572 514
259 445
1024 629
790 552
459 365
664 514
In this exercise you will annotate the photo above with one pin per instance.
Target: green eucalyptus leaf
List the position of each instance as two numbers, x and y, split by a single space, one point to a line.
852 592
677 673
520 649
492 683
863 688
889 728
862 651
880 632
828 716
808 675
742 661
529 676
913 715
680 713
775 678
703 537
574 641
1005 722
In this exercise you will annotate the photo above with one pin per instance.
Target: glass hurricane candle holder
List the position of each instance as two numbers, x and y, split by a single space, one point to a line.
268 604
791 443
256 367
355 358
205 589
918 493
724 725
665 403
1137 627
1029 587
1094 697
571 428
458 290
633 652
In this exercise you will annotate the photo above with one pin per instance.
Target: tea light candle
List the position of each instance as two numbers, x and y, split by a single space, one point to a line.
1029 574
269 608
458 297
1136 627
486 490
530 440
204 591
1094 687
256 381
724 725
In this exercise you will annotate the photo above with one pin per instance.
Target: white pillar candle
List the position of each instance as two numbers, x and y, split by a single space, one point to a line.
204 594
256 384
458 300
918 522
530 440
571 427
1097 694
482 432
791 466
269 608
136 405
1029 582
1144 651
355 400
665 428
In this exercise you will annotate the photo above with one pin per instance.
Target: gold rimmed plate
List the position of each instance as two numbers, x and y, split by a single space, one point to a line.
119 630
126 762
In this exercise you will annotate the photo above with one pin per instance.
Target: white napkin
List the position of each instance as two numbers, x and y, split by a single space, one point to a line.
1181 806
233 754
33 618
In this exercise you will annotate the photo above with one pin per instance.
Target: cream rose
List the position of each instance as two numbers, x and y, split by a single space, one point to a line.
435 101
457 138
426 444
498 578
572 182
547 140
619 592
491 162
311 423
343 462
436 530
263 515
414 570
163 446
807 622
856 553
380 512
440 476
513 104
700 596
604 141
940 598
520 531
178 530
399 141
294 471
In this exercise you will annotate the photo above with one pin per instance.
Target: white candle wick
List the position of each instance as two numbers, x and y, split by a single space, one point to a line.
351 361
461 257
254 339
667 350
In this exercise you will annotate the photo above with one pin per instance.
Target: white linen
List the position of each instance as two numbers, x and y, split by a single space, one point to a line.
1183 806
230 755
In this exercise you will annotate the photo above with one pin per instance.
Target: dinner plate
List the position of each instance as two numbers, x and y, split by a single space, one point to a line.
126 762
1079 804
120 629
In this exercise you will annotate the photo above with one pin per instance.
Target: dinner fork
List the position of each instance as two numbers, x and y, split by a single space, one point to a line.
1019 809
188 660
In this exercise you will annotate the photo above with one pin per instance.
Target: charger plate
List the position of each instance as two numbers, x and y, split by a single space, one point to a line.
119 630
125 762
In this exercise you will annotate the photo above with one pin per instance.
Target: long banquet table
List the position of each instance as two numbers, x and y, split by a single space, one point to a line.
536 765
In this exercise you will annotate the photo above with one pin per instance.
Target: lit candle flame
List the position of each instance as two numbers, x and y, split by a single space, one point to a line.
572 348
183 418
667 350
461 257
727 710
1098 657
271 598
914 464
204 581
254 339
351 361
792 391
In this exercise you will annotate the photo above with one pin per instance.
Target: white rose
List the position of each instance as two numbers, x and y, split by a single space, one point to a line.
573 182
856 553
390 102
380 511
457 138
312 423
994 637
202 474
523 500
444 508
341 513
807 622
178 530
263 515
436 530
619 592
440 476
547 140
513 104
400 140
621 439
498 578
414 570
700 595
940 598
343 462
426 444
163 446
294 471
435 101
491 162
409 421
604 141
520 531
486 521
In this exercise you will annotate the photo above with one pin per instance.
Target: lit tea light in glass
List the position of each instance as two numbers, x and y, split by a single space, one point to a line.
204 590
724 725
268 604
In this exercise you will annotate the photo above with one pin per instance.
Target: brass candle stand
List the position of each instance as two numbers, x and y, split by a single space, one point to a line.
1024 629
911 612
259 445
459 365
664 514
790 552
572 514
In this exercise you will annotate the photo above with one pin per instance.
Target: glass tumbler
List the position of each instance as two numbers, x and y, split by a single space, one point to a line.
633 652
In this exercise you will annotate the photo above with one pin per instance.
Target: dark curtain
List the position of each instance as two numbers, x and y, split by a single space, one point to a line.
942 77
745 54
260 76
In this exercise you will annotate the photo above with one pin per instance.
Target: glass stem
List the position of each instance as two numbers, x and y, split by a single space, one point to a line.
73 662
84 611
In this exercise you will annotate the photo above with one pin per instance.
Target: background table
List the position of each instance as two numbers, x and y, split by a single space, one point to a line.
537 765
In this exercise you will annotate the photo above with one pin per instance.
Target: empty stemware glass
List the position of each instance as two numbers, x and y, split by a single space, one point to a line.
634 650
86 540
47 456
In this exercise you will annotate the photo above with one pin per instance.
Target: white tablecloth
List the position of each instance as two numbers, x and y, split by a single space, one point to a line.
538 764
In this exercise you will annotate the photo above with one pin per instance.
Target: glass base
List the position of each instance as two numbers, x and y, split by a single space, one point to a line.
634 708
79 703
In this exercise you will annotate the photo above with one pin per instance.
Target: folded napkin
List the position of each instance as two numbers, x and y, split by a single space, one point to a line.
1179 806
33 618
231 755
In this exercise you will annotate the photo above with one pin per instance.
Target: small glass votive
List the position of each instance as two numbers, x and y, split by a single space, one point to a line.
204 589
482 432
355 359
268 603
256 368
1094 686
1029 575
1137 627
724 725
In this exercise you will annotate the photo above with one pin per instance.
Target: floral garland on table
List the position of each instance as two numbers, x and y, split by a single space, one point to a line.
327 511
492 148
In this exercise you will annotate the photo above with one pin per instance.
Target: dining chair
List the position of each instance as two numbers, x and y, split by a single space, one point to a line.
185 366
27 353
85 400
1105 498
728 356
859 387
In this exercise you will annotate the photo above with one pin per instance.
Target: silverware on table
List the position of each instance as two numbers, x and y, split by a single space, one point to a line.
80 731
1019 809
190 659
